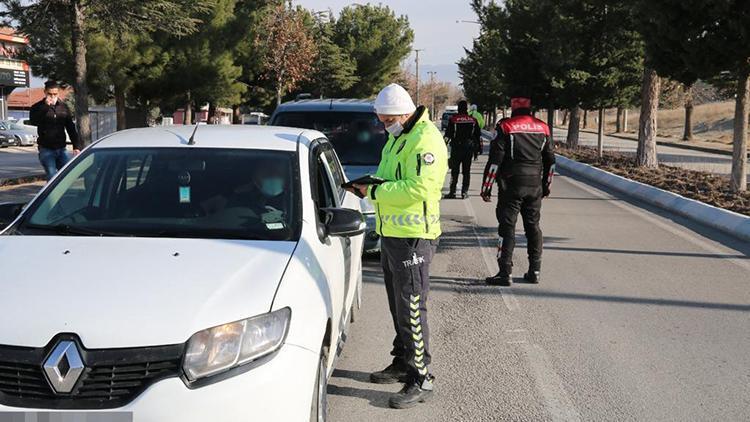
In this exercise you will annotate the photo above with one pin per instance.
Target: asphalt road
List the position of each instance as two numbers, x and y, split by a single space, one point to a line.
640 316
678 157
19 162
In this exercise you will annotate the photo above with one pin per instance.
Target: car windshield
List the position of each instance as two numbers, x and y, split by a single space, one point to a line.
169 192
358 137
10 126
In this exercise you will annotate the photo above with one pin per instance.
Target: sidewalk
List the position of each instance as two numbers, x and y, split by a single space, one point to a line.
703 146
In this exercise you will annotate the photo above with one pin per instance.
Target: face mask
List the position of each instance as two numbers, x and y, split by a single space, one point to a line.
272 187
395 129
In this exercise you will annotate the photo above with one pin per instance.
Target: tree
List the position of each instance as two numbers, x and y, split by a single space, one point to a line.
289 50
646 153
110 17
334 70
377 41
706 38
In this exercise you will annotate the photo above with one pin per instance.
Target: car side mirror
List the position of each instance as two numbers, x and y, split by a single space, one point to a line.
342 222
9 212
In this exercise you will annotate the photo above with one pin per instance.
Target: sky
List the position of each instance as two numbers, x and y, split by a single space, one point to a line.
435 30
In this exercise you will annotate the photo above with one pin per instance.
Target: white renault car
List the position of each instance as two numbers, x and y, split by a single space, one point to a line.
182 278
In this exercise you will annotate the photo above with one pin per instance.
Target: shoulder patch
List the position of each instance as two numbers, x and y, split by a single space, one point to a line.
428 158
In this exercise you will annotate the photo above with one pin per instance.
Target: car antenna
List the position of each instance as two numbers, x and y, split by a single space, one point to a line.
191 141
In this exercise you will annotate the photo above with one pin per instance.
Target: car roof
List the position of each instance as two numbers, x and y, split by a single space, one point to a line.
329 104
211 136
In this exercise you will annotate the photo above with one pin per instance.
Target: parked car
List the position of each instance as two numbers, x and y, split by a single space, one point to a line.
355 132
446 118
23 135
6 141
182 279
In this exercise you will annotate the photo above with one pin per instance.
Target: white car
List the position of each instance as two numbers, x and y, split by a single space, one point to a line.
183 280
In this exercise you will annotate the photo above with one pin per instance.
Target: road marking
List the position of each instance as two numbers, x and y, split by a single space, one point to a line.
557 402
506 294
685 233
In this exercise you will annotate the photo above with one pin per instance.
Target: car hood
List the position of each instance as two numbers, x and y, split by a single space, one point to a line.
127 292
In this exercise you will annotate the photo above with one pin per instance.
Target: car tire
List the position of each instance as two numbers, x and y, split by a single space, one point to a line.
319 407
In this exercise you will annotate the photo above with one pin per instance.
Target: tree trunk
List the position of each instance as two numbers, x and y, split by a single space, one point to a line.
741 117
688 136
565 117
212 118
600 134
618 124
188 120
120 108
586 119
236 115
574 127
83 121
625 120
646 155
551 124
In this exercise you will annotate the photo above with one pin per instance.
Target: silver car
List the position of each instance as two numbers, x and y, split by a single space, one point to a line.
24 136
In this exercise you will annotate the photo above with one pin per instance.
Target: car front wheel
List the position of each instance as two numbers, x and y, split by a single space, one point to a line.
319 408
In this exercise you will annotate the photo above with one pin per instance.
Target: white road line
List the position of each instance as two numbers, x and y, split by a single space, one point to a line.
685 234
557 401
506 294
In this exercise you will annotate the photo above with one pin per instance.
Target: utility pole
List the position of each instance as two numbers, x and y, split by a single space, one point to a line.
417 91
432 88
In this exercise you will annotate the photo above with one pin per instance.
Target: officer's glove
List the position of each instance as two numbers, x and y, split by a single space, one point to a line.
486 196
546 191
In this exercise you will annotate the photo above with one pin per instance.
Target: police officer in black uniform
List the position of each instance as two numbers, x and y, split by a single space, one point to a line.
522 159
464 135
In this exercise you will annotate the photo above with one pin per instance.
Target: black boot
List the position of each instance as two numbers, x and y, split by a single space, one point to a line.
534 275
464 195
500 279
414 392
504 277
451 195
395 372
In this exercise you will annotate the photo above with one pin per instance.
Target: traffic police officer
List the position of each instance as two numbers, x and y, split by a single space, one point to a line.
523 158
464 136
477 115
414 163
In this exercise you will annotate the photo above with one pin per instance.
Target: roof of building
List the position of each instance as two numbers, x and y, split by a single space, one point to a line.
329 104
211 136
27 97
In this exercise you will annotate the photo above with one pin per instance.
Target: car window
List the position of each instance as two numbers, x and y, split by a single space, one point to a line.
326 198
169 192
336 171
358 137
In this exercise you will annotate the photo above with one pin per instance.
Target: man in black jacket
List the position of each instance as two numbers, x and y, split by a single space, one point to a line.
53 118
464 135
522 158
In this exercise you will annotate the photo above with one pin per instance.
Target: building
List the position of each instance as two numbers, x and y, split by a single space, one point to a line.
14 73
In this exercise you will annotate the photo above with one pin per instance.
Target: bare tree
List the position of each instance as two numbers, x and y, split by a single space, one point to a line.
289 49
739 155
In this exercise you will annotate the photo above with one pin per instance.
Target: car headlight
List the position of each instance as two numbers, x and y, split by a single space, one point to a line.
228 346
367 207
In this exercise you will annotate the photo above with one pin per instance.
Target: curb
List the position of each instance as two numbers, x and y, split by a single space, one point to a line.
667 143
728 222
13 181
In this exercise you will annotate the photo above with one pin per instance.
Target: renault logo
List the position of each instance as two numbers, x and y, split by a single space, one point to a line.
64 367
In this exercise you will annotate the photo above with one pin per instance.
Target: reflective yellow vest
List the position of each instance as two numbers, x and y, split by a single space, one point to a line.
414 165
477 115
